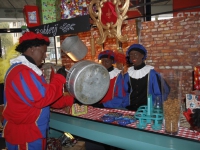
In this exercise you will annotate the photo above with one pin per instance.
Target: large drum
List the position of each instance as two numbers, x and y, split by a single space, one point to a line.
88 81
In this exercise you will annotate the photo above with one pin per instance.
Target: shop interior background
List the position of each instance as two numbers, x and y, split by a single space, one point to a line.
11 16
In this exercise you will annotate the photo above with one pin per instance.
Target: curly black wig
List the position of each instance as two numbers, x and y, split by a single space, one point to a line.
30 43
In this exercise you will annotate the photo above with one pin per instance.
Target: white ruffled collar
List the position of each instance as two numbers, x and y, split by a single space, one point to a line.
22 59
137 74
114 73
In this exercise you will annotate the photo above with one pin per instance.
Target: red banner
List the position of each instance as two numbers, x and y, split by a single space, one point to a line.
186 4
135 12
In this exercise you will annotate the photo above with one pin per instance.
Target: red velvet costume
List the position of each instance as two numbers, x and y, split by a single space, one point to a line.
114 97
110 93
27 102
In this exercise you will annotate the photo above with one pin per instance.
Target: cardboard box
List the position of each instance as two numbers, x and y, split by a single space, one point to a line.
192 101
80 145
49 10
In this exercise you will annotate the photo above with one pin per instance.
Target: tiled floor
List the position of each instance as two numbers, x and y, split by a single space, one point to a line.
89 145
93 146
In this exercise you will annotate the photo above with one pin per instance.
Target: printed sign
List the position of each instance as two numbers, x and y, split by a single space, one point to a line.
186 4
32 17
64 26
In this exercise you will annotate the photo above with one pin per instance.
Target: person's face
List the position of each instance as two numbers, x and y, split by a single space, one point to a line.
106 62
136 58
39 54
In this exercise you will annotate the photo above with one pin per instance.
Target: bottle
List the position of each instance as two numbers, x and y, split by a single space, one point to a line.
158 103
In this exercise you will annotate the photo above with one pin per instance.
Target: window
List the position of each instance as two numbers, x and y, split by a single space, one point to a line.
58 39
10 39
15 34
53 51
14 24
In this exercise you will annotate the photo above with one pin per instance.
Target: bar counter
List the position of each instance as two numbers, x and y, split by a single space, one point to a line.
128 137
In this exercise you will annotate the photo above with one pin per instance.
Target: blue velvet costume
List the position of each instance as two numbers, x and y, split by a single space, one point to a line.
153 88
142 80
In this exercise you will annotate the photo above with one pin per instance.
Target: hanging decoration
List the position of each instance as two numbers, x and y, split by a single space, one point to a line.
31 15
108 16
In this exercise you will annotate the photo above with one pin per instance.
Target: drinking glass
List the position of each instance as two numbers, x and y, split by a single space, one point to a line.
172 105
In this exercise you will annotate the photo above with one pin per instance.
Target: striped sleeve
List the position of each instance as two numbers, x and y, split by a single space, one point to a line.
34 92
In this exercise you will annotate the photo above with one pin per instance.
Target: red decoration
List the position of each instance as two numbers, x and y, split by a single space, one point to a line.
188 117
108 13
133 13
31 14
197 78
32 36
121 58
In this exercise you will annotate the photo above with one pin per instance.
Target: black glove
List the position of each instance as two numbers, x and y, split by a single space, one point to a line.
98 105
62 71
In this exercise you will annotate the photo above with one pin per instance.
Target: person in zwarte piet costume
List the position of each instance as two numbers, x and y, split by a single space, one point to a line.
114 97
28 97
141 79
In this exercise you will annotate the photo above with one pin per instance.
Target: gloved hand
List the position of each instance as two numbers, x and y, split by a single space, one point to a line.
62 71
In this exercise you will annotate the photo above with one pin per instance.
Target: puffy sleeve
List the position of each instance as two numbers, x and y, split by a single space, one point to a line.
154 87
120 99
127 89
34 91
